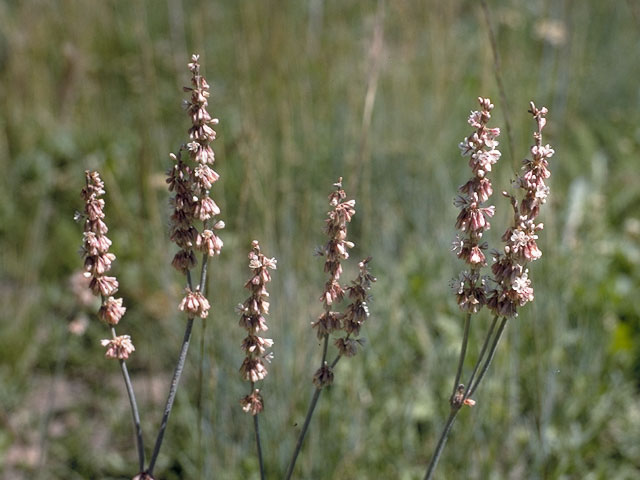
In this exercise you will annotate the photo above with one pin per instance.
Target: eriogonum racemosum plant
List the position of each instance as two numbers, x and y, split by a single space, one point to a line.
252 319
193 228
510 286
193 224
330 321
97 262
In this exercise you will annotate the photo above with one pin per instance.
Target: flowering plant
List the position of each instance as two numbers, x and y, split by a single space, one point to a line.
510 286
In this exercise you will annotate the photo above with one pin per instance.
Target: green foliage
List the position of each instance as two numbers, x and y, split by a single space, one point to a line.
96 85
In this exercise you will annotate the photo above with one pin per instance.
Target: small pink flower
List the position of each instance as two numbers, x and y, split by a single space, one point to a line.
522 287
476 257
209 243
253 403
96 244
119 347
206 176
252 344
104 285
195 304
253 369
98 264
94 209
206 208
112 311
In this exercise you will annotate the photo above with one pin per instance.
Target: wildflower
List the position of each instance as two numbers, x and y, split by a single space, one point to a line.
470 291
253 403
473 218
513 287
118 347
192 183
323 376
195 304
336 249
253 369
209 243
252 319
357 312
111 311
98 261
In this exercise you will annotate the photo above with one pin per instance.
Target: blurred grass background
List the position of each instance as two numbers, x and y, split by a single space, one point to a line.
307 91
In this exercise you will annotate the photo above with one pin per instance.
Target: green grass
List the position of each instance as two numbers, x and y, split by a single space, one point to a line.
97 85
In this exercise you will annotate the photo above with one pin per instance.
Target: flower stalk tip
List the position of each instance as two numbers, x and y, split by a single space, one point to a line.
252 318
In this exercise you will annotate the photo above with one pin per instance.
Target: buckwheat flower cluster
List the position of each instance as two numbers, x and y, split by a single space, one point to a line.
252 319
118 347
472 220
191 183
97 263
357 311
513 286
336 250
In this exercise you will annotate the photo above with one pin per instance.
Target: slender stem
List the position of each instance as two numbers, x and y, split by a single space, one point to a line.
325 346
492 352
336 360
463 352
200 399
203 273
312 406
134 412
172 394
481 356
257 429
134 407
441 443
179 367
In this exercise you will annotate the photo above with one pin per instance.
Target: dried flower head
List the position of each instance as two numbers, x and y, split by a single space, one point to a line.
357 312
323 376
252 313
336 249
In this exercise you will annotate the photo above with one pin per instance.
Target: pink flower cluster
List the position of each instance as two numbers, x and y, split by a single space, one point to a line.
473 218
252 319
118 347
191 183
351 320
336 250
511 278
97 262
513 286
357 312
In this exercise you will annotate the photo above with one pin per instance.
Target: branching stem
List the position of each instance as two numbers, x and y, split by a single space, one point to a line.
463 353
